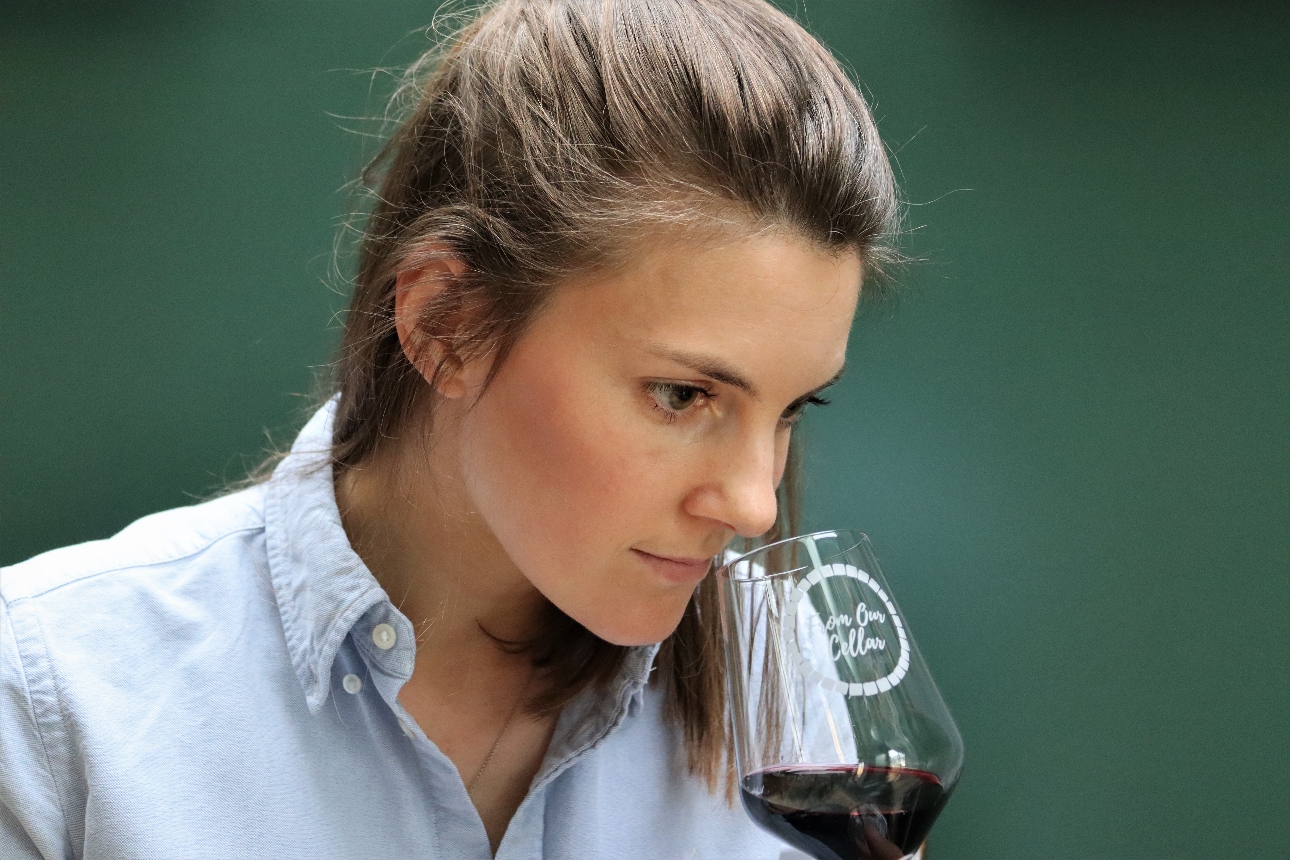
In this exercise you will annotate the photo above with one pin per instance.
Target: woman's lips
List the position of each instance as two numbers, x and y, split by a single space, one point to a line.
674 569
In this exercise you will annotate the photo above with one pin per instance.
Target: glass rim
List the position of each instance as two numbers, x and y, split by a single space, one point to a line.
724 571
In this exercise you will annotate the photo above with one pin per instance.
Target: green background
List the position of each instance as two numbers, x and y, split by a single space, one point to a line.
1067 437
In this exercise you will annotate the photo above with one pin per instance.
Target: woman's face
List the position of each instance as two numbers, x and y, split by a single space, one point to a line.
643 419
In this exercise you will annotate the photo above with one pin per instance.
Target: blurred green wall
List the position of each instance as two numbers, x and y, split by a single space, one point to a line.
1067 437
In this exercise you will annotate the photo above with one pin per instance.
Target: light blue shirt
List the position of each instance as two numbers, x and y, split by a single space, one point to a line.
206 684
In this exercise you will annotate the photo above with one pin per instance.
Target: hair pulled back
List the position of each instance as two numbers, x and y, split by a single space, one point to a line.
548 137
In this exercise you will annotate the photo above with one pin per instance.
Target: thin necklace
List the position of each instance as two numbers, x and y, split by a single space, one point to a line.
515 708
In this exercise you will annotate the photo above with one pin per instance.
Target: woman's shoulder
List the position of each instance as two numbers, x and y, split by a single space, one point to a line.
180 539
150 641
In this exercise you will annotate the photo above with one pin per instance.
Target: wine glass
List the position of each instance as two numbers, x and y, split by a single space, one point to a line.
845 749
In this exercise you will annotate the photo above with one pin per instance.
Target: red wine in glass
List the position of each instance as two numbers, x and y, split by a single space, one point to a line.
836 812
843 744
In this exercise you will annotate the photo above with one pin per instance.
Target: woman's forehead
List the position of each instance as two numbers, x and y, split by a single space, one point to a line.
767 305
750 275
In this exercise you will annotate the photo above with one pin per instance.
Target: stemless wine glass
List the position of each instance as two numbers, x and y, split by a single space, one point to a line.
845 748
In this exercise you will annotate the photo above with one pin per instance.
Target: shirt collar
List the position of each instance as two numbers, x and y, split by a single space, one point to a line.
321 584
323 588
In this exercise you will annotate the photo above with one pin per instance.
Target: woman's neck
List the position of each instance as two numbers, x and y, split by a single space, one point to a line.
409 519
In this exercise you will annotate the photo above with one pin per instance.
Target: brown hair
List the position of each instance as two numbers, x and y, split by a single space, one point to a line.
540 141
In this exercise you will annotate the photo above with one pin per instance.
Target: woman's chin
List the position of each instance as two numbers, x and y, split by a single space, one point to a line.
638 628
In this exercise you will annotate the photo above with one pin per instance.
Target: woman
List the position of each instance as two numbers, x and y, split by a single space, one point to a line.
615 251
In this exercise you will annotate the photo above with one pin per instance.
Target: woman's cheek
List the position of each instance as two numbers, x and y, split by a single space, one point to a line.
562 475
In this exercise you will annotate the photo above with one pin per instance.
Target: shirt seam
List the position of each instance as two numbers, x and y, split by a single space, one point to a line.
38 718
374 665
203 548
615 720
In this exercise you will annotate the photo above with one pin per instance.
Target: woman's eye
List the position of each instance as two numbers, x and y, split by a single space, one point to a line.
673 397
794 413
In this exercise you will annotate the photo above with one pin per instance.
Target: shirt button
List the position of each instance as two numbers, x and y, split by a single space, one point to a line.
384 636
352 683
407 731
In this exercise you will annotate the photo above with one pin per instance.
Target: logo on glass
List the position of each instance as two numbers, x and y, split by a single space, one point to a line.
855 641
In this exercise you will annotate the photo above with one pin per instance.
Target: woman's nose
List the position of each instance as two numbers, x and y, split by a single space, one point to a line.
740 490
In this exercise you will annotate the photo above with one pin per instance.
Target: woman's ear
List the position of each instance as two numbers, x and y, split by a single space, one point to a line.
428 274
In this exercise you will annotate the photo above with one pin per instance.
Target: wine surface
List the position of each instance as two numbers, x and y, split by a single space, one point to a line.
839 812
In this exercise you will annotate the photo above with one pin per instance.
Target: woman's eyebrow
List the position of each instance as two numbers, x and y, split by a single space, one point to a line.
833 380
717 369
707 365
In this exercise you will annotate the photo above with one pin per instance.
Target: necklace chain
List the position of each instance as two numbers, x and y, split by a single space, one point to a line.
515 708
